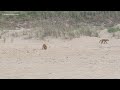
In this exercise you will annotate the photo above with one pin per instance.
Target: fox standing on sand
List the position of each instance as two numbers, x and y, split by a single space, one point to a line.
44 47
103 40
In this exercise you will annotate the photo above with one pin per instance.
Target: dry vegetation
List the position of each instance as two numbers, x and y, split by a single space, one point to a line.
58 24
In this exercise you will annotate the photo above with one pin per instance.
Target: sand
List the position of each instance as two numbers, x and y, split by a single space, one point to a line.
80 58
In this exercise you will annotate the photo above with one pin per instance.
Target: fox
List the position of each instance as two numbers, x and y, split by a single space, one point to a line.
44 47
103 41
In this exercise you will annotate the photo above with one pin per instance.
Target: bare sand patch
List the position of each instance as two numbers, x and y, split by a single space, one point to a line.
78 58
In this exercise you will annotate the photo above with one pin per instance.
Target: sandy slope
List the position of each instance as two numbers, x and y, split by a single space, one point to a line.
79 58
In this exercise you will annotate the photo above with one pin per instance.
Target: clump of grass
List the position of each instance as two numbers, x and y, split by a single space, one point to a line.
112 30
4 39
57 31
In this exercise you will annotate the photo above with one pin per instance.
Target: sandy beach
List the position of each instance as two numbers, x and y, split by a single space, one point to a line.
80 58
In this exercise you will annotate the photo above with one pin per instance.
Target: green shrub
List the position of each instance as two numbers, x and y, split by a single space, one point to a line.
112 30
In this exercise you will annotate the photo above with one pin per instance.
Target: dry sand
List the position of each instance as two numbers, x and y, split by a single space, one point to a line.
80 58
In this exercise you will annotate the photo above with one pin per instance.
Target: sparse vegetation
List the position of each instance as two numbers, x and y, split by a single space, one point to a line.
4 39
112 30
64 24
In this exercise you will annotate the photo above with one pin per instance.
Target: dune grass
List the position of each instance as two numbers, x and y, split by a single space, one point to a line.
112 30
63 24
